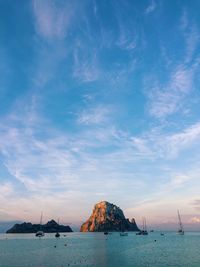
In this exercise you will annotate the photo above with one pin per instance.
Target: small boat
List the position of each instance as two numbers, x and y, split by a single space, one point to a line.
162 234
180 230
123 233
144 228
139 233
40 233
142 232
107 233
57 235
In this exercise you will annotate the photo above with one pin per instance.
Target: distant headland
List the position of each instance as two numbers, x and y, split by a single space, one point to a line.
49 227
108 217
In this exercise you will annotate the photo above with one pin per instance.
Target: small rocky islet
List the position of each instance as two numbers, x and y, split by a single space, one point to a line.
28 228
108 217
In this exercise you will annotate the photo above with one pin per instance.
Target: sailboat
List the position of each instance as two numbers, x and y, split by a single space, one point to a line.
40 233
122 233
57 235
144 228
180 230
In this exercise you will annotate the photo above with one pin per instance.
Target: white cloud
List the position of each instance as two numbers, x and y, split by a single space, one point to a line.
141 146
155 144
85 67
127 38
191 35
179 141
151 7
166 99
97 115
179 180
37 164
184 22
192 41
51 21
194 219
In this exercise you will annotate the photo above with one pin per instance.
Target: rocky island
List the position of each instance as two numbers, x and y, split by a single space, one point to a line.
108 217
49 227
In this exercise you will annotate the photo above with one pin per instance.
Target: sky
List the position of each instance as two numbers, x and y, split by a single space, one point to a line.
100 101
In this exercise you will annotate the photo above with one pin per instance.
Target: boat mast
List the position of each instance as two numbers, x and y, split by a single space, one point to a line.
41 218
40 233
145 224
179 219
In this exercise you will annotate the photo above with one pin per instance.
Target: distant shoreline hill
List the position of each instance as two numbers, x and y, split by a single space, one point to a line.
28 228
108 217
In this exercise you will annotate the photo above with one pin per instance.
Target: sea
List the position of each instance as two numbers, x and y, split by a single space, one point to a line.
99 250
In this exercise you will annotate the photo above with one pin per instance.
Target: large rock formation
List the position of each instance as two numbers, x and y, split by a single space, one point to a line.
108 217
50 227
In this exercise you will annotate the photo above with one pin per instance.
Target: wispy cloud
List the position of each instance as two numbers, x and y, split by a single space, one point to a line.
178 181
151 7
179 141
51 20
192 42
97 115
153 143
194 219
127 38
141 146
166 99
85 67
39 166
191 36
184 21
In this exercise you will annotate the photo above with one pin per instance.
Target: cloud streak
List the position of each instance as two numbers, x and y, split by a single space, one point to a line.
167 99
151 7
51 21
153 144
85 67
96 115
168 96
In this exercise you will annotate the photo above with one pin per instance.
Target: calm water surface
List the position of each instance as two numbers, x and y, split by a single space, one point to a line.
95 249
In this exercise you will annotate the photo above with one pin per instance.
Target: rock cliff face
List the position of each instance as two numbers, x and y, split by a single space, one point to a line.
108 217
50 227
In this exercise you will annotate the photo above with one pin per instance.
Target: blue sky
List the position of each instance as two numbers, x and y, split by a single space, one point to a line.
100 101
